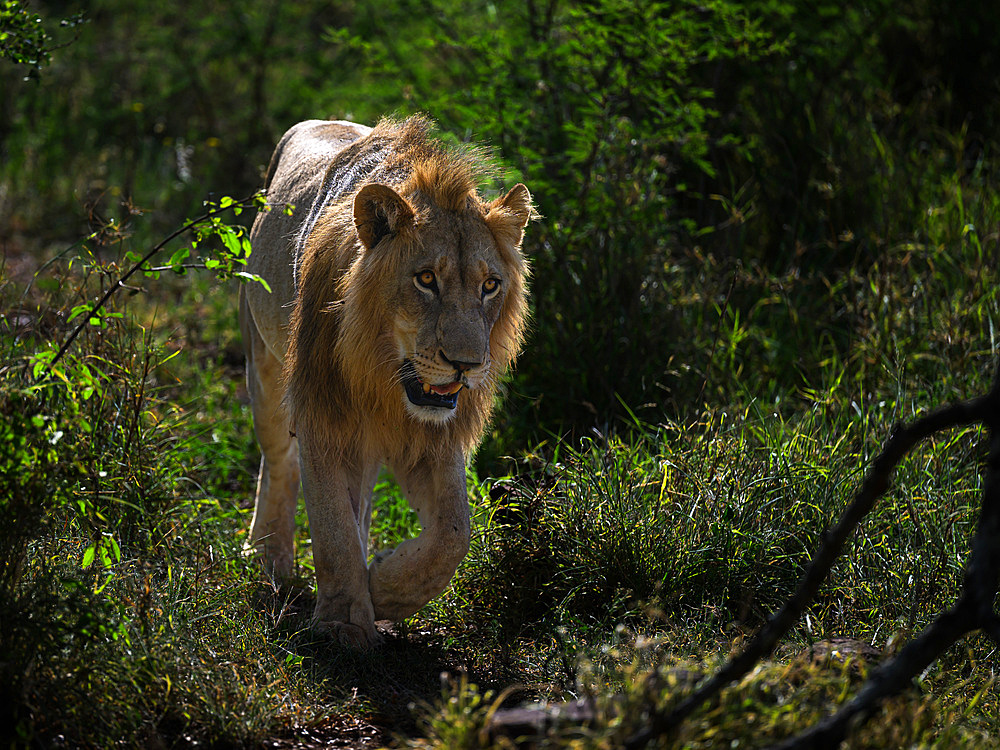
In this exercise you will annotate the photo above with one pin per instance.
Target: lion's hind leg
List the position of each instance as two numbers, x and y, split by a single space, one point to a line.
273 527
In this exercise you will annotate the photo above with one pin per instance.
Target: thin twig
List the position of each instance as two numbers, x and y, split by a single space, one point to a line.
120 284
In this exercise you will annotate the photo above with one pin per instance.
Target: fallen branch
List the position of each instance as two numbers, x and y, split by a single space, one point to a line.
973 611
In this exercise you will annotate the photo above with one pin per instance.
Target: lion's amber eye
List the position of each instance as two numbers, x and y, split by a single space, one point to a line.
490 286
426 280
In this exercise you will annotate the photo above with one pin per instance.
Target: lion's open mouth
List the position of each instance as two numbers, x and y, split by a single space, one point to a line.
425 394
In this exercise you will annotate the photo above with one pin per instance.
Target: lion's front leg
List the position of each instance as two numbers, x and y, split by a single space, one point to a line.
337 502
404 579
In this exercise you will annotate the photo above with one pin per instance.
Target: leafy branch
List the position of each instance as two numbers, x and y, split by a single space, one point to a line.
23 38
226 263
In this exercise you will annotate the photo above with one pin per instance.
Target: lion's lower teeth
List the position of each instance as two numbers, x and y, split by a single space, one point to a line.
427 388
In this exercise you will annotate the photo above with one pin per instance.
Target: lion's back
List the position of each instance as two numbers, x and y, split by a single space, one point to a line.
298 175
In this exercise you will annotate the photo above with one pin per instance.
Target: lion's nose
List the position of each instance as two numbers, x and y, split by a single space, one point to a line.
460 365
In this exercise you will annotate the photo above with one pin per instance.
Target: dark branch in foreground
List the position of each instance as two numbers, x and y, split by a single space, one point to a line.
973 611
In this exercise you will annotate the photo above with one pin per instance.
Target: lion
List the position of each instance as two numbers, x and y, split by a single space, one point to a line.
398 300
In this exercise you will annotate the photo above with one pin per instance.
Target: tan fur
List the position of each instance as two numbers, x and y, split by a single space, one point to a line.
399 206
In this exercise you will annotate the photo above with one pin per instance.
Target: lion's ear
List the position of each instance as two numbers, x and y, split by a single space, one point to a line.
379 211
509 214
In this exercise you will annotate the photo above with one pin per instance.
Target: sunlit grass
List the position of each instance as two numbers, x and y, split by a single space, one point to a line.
679 536
599 566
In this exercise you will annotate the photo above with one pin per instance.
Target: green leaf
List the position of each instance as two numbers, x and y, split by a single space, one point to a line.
78 310
246 276
115 549
179 256
41 361
231 240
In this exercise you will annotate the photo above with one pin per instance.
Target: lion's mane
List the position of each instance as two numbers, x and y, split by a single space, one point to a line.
341 367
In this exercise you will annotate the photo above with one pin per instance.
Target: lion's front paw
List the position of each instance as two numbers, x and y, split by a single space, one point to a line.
350 634
353 625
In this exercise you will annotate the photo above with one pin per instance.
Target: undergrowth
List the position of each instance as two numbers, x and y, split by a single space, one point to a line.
746 273
599 567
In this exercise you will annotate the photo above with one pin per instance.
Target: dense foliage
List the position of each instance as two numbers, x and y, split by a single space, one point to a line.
674 149
768 230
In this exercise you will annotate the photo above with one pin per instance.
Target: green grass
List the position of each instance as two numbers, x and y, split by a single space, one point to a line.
603 567
776 701
607 562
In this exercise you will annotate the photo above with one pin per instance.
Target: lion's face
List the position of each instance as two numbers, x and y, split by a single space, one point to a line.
451 293
453 273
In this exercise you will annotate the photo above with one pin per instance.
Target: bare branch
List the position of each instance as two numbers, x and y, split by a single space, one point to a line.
902 440
973 611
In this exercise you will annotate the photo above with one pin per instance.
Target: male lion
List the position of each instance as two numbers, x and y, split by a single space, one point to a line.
398 301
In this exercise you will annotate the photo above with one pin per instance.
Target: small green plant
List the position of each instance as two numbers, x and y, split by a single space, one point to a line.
226 260
23 37
459 718
93 517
